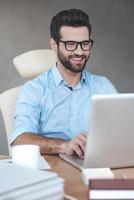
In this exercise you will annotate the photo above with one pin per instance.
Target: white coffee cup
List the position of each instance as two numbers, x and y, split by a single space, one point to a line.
27 155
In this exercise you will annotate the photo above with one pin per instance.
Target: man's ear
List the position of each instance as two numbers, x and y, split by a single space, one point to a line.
53 45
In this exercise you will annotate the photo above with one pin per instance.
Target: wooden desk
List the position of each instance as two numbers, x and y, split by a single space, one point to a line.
73 183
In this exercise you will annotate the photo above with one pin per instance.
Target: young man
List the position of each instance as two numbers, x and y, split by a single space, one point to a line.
52 110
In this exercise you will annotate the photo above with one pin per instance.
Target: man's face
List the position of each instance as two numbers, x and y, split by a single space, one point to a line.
75 60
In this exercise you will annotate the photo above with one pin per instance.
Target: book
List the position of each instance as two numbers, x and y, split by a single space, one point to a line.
92 173
17 182
111 189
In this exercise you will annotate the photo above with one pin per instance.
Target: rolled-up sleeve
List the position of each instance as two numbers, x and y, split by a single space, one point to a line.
27 112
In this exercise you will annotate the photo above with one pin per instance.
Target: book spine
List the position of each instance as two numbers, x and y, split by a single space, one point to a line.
112 184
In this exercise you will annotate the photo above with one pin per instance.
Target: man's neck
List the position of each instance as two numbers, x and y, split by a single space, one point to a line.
71 78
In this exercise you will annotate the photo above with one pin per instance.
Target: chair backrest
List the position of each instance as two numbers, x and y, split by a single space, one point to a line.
29 65
33 63
7 107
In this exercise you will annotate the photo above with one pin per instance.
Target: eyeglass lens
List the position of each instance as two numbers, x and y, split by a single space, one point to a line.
72 45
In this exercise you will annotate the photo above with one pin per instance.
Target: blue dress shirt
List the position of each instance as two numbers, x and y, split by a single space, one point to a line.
48 107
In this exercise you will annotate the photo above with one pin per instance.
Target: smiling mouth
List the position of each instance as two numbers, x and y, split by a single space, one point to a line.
78 59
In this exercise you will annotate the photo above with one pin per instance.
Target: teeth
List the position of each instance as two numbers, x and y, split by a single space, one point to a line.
77 59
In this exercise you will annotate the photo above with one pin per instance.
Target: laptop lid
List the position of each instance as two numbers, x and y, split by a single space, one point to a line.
110 141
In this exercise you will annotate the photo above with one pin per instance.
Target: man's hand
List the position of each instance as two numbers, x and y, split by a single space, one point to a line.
54 146
75 146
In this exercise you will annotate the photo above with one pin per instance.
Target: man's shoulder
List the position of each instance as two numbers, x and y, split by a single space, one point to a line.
40 80
95 77
100 84
37 85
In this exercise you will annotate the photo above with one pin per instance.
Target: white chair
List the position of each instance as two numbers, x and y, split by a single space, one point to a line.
7 107
33 63
29 65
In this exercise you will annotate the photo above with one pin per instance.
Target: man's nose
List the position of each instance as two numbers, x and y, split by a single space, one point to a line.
78 50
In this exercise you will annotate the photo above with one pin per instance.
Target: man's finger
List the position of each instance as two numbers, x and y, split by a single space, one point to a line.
78 151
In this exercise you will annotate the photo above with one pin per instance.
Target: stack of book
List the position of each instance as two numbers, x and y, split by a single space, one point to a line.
96 173
20 183
111 189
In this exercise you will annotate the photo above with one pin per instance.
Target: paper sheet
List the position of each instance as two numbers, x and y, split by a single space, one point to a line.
43 163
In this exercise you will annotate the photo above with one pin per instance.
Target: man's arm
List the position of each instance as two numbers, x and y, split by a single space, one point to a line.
54 146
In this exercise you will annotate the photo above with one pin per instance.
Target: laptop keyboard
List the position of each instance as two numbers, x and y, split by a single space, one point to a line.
73 159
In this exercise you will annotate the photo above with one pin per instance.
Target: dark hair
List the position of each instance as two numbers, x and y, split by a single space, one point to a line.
71 17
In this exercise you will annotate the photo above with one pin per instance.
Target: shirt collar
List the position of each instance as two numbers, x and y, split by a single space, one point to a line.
84 78
58 77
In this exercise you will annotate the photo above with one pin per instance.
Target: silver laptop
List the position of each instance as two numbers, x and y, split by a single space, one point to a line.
110 141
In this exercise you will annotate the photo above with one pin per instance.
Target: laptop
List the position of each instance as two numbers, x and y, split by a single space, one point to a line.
110 141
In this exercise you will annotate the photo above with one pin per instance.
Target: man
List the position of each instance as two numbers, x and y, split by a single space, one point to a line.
52 110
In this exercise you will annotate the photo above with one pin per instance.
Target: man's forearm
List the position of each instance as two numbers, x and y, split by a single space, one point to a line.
47 145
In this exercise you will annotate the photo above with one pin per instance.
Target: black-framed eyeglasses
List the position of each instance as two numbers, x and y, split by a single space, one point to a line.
85 45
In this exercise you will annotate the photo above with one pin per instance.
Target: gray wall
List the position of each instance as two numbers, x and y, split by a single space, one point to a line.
24 25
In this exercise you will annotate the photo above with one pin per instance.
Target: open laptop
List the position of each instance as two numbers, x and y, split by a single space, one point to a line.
110 141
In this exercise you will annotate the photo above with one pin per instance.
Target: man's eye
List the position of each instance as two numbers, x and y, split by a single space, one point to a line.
85 43
71 43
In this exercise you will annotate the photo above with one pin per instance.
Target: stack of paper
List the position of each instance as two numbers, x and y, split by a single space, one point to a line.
111 189
20 183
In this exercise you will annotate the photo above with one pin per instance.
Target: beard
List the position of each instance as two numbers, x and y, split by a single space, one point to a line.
73 67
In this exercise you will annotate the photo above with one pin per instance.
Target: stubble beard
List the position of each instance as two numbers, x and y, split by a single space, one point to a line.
68 65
